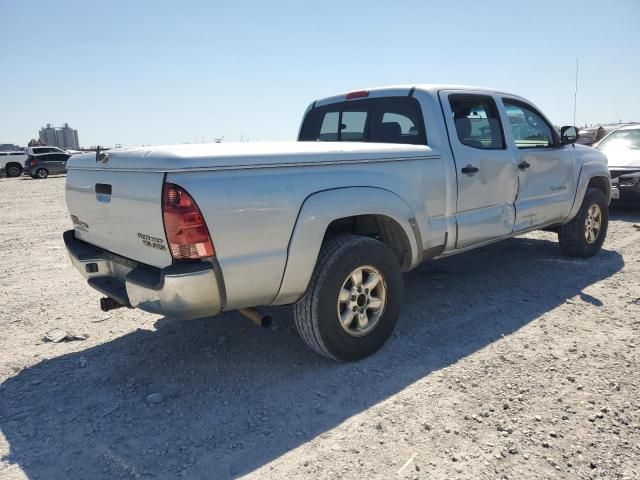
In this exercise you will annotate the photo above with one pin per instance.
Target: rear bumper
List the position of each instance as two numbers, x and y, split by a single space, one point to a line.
185 290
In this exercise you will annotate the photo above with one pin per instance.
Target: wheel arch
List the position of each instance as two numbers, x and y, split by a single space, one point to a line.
384 215
601 183
595 175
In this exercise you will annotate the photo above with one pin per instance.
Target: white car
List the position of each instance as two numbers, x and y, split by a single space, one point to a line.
622 148
12 163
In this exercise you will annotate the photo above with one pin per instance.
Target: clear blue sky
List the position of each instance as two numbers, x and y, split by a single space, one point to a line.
149 72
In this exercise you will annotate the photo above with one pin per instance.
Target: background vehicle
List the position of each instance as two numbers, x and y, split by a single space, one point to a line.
44 164
12 163
44 149
592 135
622 148
379 181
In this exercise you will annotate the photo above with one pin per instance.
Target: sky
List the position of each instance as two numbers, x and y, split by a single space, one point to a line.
161 72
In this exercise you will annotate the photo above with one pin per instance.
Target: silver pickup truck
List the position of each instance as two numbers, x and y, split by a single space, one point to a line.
379 181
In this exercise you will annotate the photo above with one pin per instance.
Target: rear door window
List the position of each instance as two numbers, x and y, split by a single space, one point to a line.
477 121
384 120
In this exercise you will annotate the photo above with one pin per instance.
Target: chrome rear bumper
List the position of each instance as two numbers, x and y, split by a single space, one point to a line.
183 290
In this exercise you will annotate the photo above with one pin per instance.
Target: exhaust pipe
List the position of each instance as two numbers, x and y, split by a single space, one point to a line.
256 317
108 303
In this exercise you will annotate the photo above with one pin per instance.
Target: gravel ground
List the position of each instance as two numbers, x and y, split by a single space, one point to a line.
508 362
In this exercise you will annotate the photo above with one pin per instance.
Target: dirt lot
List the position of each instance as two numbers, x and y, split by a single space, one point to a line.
509 362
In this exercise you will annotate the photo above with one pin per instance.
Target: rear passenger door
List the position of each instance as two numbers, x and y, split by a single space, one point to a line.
546 169
487 176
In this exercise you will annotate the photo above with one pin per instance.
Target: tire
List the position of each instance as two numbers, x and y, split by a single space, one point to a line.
42 173
317 313
13 170
579 238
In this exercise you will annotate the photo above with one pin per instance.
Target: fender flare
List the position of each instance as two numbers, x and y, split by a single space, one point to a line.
318 211
587 172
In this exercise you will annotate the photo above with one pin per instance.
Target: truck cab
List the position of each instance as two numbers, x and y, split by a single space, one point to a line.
508 170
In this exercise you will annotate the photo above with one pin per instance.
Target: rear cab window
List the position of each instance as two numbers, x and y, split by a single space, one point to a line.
379 120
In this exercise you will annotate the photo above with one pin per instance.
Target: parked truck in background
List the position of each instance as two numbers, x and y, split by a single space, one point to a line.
378 182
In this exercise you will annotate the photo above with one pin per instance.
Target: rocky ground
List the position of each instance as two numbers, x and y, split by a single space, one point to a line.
509 362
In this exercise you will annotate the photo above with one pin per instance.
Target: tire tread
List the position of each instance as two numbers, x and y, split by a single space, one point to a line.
305 310
571 235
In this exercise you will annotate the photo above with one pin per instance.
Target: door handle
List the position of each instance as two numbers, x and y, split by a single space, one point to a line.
469 170
523 165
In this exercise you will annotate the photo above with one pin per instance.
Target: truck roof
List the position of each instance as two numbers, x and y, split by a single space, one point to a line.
436 87
403 89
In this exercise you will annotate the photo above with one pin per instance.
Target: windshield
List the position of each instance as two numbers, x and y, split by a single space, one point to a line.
621 140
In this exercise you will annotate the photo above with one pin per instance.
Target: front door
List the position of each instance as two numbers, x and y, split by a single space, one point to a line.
487 176
546 169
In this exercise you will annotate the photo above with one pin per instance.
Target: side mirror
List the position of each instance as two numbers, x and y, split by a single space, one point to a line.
569 135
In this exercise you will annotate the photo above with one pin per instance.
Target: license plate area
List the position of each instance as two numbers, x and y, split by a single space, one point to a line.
615 193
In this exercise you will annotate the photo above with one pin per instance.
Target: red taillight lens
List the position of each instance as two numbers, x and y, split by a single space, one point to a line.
33 161
187 233
358 94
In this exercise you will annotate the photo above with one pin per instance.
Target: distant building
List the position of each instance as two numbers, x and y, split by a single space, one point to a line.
48 135
62 137
10 147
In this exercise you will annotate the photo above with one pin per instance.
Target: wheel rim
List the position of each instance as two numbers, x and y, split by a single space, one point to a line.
362 300
13 172
593 223
42 173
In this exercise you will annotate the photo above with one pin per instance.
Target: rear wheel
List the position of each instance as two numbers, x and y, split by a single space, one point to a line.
353 300
13 170
584 235
42 173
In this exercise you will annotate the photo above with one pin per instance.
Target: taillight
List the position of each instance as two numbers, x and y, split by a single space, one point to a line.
33 161
358 94
186 230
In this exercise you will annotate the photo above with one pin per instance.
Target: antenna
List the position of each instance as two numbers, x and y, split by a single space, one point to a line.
575 95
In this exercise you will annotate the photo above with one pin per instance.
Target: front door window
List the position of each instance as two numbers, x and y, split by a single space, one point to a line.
529 129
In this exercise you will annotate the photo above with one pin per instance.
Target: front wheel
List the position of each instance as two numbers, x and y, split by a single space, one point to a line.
353 300
584 235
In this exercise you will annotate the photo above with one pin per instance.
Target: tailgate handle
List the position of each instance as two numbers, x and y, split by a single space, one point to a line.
103 188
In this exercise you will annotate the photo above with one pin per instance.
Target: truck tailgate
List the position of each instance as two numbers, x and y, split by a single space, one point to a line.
119 211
